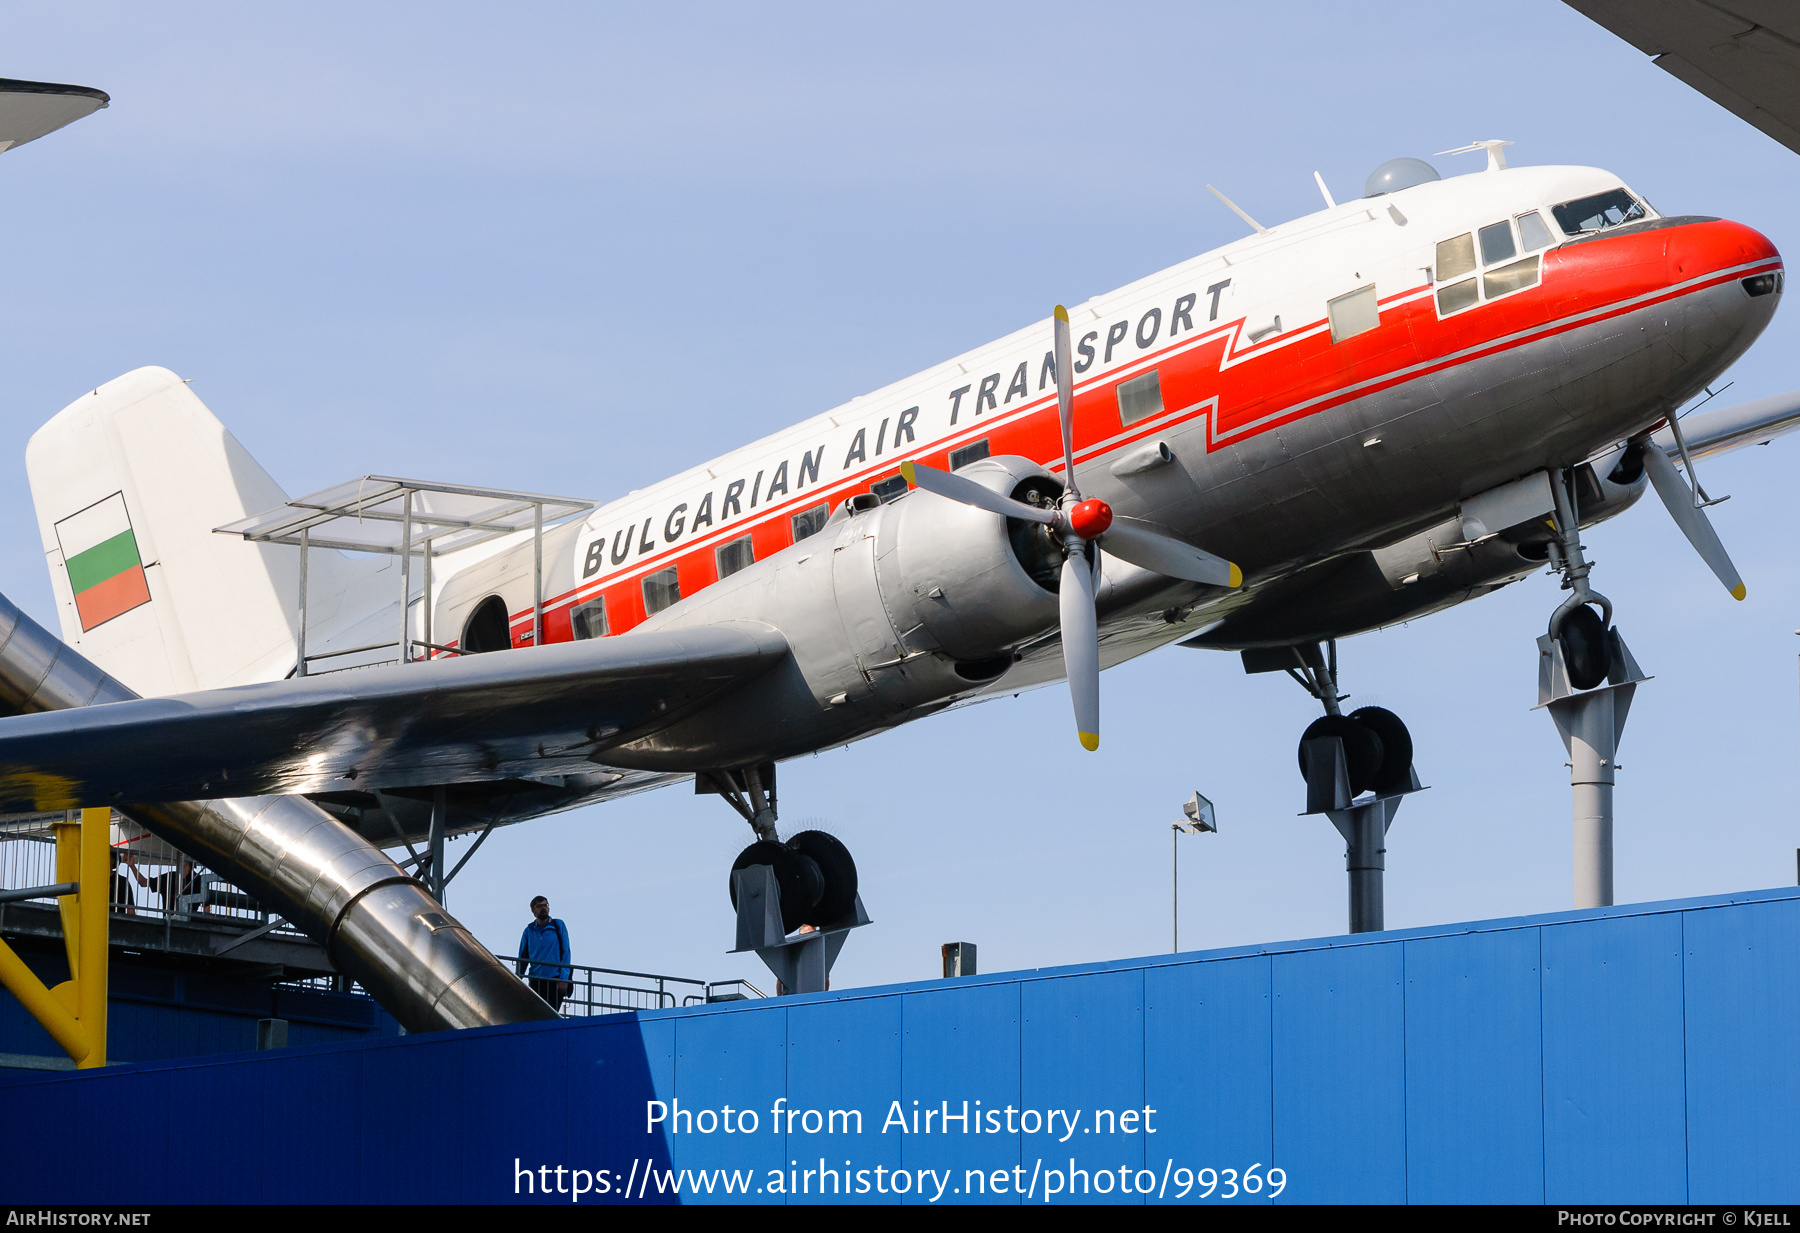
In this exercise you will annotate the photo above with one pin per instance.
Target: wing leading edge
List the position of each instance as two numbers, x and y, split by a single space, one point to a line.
525 713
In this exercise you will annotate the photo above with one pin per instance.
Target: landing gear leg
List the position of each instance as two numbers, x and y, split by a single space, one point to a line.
1581 650
796 902
1358 767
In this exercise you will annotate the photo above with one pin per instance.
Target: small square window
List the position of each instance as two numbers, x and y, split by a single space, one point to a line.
810 522
1534 231
1455 297
661 590
1455 257
1497 243
735 556
973 452
1515 277
890 489
1140 397
1353 314
589 620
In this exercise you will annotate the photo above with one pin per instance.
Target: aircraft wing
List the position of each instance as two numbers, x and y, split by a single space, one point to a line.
1742 54
1727 428
30 109
526 713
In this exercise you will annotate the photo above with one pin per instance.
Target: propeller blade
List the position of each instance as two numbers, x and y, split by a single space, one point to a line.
1081 647
967 491
1065 398
1164 554
1678 498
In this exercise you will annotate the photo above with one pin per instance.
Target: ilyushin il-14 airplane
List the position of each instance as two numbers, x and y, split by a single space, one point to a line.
1391 406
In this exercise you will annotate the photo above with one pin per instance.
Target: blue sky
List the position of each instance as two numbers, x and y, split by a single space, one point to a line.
576 248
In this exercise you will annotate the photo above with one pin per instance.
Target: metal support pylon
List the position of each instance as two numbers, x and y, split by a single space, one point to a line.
1591 723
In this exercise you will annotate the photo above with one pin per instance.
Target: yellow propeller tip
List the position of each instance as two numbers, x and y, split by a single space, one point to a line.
1062 314
1090 741
906 471
1738 592
1237 575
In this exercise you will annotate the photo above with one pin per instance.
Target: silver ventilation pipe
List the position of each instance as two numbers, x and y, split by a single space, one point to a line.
374 921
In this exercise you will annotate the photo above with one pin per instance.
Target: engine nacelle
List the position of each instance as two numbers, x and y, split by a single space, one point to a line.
889 608
1494 538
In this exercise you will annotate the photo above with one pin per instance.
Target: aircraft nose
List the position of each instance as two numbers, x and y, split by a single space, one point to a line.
1709 248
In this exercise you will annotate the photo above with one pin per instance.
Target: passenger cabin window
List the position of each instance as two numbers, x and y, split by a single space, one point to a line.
975 451
589 620
1140 398
735 556
810 522
661 590
1353 314
1459 287
890 489
1597 213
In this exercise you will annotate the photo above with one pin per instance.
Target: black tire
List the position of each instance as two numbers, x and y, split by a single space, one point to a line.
1587 651
1396 748
796 874
839 871
1362 748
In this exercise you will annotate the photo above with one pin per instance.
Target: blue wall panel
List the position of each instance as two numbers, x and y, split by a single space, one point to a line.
1641 1055
962 1040
1743 1053
843 1058
1208 1066
1340 1074
1081 1055
1474 1063
1615 1113
737 1059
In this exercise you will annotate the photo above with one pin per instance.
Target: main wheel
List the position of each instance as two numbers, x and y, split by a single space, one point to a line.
1587 651
1396 748
796 874
839 871
1362 748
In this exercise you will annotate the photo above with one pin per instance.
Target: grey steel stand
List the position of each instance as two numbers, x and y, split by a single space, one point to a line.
801 962
1590 724
1362 822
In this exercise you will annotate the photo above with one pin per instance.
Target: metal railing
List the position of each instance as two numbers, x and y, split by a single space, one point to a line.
167 887
608 991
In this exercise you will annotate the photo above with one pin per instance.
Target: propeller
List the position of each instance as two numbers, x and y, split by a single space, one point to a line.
1079 522
1678 499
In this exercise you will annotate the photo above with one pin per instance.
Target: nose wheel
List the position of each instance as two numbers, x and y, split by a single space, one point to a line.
1586 680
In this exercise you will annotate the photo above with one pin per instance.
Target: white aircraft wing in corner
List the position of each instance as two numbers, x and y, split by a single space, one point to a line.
30 109
1742 54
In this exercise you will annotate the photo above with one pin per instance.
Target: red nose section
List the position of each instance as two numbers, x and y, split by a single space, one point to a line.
1091 518
1705 248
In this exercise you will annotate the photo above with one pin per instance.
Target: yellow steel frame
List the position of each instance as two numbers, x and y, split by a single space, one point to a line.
74 1012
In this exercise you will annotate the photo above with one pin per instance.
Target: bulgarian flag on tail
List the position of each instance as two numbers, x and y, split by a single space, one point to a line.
101 554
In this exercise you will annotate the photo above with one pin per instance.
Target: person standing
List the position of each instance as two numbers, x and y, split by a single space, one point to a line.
544 946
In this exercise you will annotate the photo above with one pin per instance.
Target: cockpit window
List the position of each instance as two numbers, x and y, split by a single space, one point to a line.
1533 231
1596 213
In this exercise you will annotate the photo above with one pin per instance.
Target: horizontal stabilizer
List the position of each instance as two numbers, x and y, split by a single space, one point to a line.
509 714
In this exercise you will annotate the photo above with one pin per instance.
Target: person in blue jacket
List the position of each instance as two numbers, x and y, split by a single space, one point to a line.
545 946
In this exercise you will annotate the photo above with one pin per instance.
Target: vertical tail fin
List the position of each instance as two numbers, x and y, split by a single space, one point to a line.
129 482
